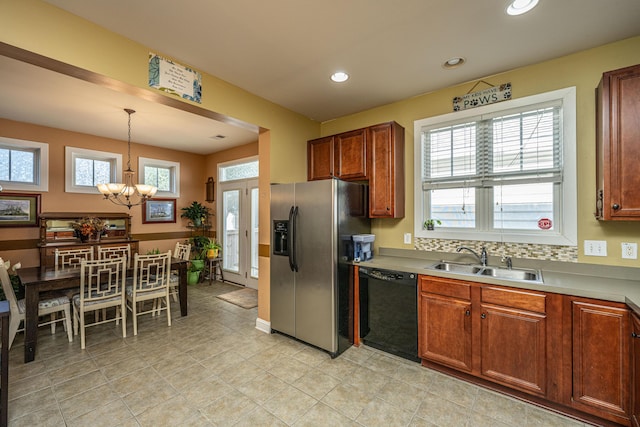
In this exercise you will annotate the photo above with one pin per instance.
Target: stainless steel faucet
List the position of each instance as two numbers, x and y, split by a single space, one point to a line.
483 257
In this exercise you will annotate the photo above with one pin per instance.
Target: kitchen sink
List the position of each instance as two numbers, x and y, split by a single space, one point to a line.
517 274
512 274
453 267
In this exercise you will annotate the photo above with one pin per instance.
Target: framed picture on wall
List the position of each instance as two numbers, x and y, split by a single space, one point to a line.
19 209
159 210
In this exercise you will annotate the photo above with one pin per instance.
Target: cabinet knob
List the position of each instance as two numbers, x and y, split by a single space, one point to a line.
634 335
467 312
483 316
616 206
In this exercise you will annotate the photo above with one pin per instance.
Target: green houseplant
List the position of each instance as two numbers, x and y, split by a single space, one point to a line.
431 222
193 274
196 212
210 249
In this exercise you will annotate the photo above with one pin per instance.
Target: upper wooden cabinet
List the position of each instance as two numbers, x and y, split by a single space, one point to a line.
618 145
374 154
320 158
350 155
386 176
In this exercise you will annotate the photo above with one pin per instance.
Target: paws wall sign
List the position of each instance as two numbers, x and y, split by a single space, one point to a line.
484 97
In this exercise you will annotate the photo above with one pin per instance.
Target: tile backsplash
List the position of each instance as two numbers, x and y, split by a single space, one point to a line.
514 250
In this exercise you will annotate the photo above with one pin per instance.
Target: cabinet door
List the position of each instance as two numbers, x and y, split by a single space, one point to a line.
635 371
600 358
350 155
445 331
320 158
514 348
618 150
386 174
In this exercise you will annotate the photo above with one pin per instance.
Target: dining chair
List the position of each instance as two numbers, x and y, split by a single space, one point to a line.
182 251
108 252
150 281
46 307
102 284
71 258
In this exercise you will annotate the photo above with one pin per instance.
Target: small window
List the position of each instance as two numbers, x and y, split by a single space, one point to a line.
163 174
242 170
87 168
24 165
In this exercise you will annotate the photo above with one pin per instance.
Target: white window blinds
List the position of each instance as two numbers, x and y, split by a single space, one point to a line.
515 147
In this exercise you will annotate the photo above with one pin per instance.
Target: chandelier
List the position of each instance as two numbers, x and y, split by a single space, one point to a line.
127 194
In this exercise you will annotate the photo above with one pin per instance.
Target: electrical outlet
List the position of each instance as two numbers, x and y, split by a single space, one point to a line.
407 238
629 250
595 247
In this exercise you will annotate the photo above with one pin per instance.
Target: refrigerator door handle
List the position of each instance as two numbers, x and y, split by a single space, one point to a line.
293 222
290 238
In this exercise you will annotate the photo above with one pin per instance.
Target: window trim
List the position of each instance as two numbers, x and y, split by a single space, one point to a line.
174 167
41 165
70 153
567 233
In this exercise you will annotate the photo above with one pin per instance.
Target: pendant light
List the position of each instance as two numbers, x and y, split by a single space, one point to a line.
127 194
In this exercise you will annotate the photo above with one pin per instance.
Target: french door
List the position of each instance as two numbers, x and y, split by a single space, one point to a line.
238 223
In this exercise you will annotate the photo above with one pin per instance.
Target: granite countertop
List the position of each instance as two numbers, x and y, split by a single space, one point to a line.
618 284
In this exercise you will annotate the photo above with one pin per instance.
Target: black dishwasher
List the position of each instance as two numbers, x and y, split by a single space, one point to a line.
389 311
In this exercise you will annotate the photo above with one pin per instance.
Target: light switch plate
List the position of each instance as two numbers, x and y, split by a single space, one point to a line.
407 238
629 250
595 247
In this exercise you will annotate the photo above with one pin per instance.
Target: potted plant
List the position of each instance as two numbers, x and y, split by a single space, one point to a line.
431 222
210 249
197 213
193 274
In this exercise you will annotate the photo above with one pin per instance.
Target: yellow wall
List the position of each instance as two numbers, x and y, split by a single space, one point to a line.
582 70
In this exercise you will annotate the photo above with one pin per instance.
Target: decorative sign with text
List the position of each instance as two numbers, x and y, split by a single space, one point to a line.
484 97
173 78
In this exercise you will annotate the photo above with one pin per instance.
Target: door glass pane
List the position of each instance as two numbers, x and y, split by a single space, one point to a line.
231 222
239 171
254 233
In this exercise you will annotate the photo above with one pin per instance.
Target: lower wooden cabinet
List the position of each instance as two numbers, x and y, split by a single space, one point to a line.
567 352
600 358
514 348
493 332
446 309
635 370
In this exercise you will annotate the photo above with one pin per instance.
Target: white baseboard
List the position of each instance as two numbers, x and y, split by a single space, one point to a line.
263 325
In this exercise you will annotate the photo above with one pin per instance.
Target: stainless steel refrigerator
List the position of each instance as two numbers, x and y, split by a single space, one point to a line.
311 246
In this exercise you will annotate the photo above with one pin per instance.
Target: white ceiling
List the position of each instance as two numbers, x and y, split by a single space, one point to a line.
285 50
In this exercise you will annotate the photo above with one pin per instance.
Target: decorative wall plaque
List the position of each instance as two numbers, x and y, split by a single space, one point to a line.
484 97
171 77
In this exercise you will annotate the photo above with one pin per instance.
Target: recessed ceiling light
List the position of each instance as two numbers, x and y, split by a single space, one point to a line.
340 77
453 62
518 7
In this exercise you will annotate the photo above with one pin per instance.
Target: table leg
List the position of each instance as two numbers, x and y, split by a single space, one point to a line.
32 297
182 288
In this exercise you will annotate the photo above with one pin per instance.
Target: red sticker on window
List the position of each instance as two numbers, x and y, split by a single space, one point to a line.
544 223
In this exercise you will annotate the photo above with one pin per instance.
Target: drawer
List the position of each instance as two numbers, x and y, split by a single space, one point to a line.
447 287
515 298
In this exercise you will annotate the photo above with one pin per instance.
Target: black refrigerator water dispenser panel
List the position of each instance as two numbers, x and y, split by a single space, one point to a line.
281 237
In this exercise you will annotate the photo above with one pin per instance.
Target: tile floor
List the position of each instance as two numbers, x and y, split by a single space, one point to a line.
213 368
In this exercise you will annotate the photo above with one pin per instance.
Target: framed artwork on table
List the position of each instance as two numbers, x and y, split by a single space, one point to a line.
19 209
158 211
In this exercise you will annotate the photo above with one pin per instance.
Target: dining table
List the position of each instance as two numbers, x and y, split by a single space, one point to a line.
37 280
